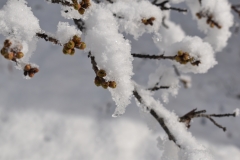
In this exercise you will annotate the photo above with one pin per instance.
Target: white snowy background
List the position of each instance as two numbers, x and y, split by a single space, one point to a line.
60 113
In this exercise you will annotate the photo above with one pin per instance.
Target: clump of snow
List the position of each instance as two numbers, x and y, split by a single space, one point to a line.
18 20
221 13
130 13
19 25
65 32
172 34
165 76
112 53
237 112
197 49
187 80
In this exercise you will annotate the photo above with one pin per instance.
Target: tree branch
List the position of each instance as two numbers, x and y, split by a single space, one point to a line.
159 119
163 7
235 8
155 88
147 56
48 38
195 114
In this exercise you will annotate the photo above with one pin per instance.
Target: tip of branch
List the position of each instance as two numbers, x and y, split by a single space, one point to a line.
236 112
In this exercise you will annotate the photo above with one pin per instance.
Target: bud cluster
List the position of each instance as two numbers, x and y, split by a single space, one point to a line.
209 20
75 42
184 58
30 71
81 7
10 51
148 21
100 81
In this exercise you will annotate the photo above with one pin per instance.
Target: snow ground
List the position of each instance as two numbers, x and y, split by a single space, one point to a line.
60 114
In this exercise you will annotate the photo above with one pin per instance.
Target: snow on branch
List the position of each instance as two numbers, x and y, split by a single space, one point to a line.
176 131
112 54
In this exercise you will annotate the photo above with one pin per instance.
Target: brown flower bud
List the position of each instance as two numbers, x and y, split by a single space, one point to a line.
34 70
70 45
74 1
97 81
101 73
81 11
105 85
83 45
7 43
76 39
76 6
4 51
27 67
186 56
19 55
112 84
180 53
152 19
72 52
66 50
199 15
9 56
86 5
212 25
30 74
144 21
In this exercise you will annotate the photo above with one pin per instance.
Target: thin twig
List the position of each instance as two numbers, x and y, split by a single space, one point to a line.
110 1
80 24
152 56
62 2
157 88
235 8
48 38
93 62
163 7
163 22
195 114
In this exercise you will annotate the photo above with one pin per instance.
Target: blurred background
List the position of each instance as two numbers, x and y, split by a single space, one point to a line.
60 113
